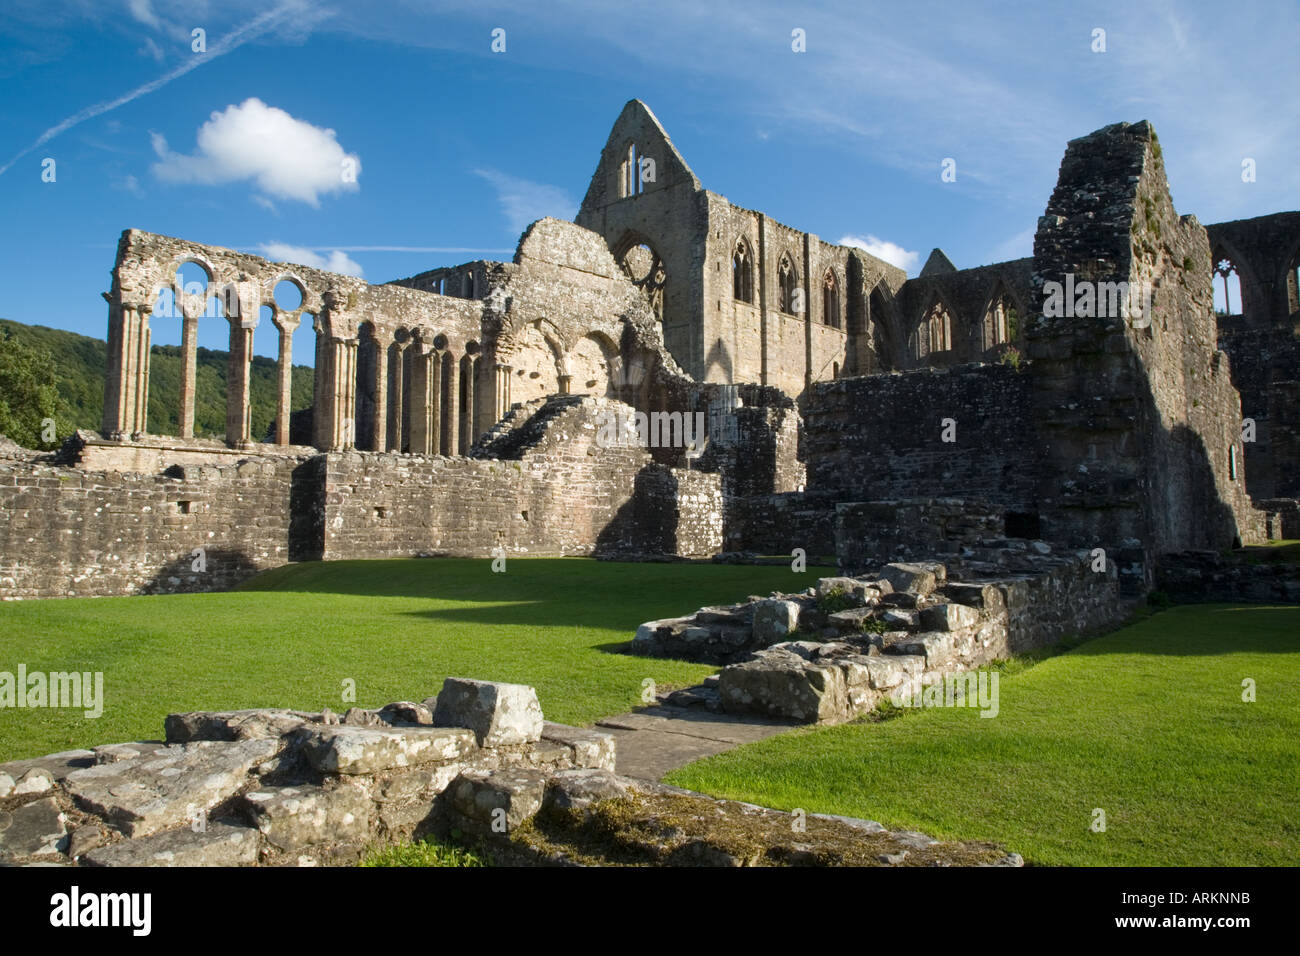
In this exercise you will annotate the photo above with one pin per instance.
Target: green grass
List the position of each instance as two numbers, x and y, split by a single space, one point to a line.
291 636
424 853
1146 723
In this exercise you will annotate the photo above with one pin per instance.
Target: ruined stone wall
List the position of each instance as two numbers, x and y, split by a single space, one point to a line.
903 530
776 524
69 532
881 436
1138 420
968 294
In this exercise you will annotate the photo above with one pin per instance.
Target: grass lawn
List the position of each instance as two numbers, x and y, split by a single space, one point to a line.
291 636
1146 723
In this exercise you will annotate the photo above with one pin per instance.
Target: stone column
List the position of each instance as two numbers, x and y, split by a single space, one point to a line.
467 434
419 411
379 441
284 376
189 370
566 384
126 379
345 393
238 382
395 421
322 388
140 421
434 417
501 402
451 396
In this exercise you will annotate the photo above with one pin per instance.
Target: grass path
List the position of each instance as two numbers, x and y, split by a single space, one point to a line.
1146 723
291 636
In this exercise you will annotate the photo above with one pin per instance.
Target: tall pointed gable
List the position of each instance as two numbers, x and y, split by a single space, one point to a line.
937 265
637 136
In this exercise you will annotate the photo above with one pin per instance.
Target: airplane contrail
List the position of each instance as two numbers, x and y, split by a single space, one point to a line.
230 41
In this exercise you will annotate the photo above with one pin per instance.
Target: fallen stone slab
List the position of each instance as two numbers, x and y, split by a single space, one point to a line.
579 789
38 828
293 818
914 578
59 765
157 792
361 750
499 801
949 617
232 724
590 748
498 713
35 780
114 753
220 844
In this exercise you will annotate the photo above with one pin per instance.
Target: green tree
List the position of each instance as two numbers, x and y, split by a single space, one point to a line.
29 395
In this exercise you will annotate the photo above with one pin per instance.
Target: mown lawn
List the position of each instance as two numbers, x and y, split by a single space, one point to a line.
292 636
1146 723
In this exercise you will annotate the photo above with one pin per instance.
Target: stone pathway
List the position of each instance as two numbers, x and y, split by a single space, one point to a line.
659 738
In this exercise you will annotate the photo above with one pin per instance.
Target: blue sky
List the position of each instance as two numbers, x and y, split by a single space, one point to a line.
459 147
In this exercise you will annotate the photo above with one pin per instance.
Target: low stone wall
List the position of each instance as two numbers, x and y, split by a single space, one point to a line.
902 529
1209 576
776 524
277 787
834 652
74 532
68 532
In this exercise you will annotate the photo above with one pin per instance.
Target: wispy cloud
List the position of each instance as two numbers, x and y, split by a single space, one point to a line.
337 260
287 158
523 201
236 38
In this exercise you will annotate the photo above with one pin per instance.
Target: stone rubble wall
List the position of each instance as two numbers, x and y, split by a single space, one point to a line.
880 436
69 532
836 651
279 787
900 530
77 533
1210 576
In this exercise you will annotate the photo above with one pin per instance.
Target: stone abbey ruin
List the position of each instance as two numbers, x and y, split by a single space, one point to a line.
995 457
460 411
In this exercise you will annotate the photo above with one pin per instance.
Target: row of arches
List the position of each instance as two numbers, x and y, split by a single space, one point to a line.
939 336
1244 288
414 395
788 288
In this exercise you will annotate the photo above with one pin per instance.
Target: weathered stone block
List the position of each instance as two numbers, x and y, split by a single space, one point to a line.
34 829
774 620
153 793
498 801
949 617
362 750
914 578
497 713
783 684
579 789
590 748
220 844
291 818
255 724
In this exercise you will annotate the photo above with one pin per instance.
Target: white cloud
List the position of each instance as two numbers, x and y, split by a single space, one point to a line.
891 252
337 260
236 38
287 158
524 202
142 10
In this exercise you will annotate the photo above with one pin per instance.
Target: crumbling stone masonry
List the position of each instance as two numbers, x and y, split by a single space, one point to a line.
836 651
284 788
453 410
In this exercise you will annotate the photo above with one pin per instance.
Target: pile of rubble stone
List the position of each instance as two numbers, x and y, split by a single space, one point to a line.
280 787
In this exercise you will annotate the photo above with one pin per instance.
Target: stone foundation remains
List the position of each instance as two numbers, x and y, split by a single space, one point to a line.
836 651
